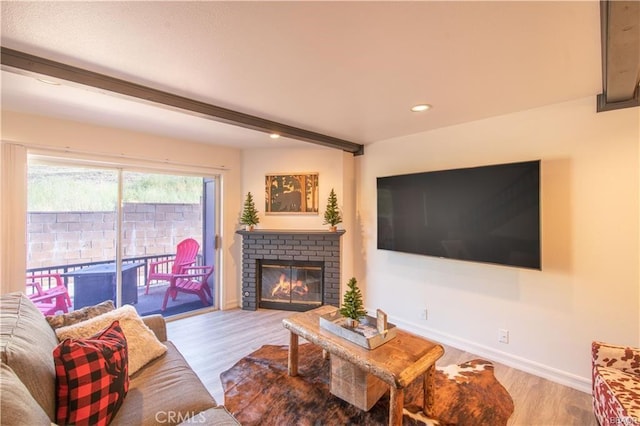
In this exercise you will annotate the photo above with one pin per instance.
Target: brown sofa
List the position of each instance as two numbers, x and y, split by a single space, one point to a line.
165 391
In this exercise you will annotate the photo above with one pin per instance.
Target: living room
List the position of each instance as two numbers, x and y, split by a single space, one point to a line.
587 289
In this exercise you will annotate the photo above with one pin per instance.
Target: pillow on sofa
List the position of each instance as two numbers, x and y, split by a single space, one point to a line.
92 377
143 346
83 314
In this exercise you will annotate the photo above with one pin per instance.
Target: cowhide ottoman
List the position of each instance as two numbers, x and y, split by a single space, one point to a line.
616 384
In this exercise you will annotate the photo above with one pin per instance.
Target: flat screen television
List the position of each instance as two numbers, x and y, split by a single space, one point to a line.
485 214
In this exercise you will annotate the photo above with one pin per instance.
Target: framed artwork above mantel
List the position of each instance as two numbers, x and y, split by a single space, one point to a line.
294 193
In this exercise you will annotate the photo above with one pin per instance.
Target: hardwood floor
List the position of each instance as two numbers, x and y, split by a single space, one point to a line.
214 341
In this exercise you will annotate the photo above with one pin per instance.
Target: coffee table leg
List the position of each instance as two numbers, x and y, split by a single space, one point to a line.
293 354
427 390
396 404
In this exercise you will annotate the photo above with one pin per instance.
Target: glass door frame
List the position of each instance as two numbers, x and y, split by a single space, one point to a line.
212 251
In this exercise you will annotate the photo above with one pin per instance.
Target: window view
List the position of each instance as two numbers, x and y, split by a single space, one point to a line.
75 233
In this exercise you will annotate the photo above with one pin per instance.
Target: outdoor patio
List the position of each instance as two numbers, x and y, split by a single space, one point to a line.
152 303
91 283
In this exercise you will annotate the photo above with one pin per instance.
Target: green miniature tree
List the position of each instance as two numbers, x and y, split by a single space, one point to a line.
352 304
332 215
249 213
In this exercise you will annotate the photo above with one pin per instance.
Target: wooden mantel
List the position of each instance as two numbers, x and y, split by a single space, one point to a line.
290 232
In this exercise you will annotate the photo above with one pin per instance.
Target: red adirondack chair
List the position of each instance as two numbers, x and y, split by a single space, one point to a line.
49 299
186 253
193 281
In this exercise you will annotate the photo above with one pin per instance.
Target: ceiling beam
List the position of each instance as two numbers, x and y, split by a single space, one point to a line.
16 61
620 33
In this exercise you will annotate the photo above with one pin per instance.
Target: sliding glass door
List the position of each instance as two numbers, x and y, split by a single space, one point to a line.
114 234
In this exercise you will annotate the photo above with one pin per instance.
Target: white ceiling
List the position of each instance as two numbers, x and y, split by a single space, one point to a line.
350 70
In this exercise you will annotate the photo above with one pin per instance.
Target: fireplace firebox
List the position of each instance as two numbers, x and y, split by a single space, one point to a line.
268 245
288 285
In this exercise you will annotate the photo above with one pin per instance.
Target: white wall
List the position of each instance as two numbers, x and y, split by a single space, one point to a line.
335 169
106 144
589 286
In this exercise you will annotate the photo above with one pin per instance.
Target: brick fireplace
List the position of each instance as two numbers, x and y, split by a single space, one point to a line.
290 269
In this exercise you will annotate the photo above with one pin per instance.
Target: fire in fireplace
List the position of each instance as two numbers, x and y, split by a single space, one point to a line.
289 285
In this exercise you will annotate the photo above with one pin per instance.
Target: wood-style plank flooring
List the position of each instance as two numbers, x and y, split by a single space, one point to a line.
214 341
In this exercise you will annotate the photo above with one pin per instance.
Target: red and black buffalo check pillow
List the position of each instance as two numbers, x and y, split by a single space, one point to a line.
92 377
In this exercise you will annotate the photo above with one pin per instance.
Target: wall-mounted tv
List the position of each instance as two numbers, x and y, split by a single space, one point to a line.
485 214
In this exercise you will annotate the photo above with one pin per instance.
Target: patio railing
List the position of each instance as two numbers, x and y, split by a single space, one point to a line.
142 272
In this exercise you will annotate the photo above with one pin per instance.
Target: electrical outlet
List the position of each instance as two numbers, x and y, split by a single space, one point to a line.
503 335
424 314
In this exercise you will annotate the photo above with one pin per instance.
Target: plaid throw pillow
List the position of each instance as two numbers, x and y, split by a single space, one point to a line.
92 377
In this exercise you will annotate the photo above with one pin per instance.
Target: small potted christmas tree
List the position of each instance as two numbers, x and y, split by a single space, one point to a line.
249 213
352 304
332 215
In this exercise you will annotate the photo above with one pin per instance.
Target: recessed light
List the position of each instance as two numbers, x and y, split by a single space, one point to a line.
420 107
274 136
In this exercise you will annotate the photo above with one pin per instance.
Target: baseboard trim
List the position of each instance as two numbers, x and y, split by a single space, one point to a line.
230 304
564 378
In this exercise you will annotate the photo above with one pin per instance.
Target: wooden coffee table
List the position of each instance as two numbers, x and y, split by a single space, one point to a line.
396 363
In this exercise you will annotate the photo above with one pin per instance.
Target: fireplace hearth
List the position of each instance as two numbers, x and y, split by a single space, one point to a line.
293 269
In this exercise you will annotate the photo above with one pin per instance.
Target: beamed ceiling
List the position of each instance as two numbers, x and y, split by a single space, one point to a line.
337 74
620 29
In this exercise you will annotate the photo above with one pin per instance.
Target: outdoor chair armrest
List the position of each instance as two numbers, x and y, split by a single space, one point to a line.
35 297
195 272
157 324
185 265
202 273
153 265
56 277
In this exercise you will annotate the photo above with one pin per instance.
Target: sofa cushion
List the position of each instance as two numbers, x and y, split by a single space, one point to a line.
79 315
16 404
166 391
92 377
142 343
26 344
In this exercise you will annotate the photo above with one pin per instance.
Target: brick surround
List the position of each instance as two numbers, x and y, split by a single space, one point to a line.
290 245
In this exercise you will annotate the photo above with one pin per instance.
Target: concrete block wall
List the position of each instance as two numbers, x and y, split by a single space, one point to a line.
61 238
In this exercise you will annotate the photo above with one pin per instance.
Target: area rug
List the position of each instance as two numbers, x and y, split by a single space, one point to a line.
259 391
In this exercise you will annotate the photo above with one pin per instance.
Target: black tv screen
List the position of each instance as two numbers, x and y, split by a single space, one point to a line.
483 214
